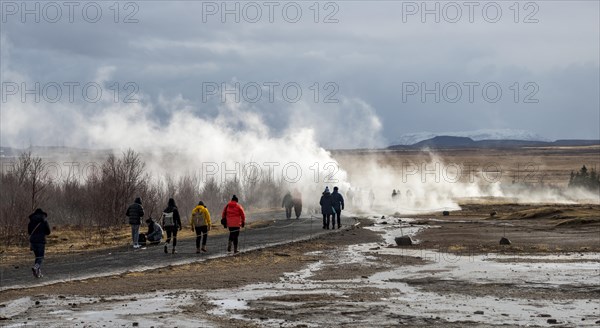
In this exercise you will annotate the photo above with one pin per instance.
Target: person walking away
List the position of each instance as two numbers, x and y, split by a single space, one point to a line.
371 198
200 222
288 204
326 207
135 212
297 201
338 205
235 216
37 229
171 223
155 232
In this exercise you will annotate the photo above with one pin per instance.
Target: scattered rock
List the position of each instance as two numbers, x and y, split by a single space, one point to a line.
37 302
403 241
135 324
478 312
282 254
61 296
365 277
494 213
374 248
504 241
445 213
383 217
552 321
384 222
543 315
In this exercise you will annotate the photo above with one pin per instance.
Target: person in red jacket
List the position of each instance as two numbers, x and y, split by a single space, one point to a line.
234 214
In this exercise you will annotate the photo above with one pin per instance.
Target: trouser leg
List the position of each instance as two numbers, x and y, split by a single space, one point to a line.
204 235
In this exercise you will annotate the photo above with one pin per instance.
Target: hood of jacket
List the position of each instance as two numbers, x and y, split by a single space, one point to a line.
37 218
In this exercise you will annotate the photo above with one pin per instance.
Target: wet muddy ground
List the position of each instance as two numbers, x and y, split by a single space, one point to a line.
354 278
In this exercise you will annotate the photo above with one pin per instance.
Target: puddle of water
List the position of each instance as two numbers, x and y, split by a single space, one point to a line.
411 301
155 309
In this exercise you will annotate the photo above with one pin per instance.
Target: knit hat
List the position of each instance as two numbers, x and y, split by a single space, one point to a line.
326 189
234 198
201 203
335 188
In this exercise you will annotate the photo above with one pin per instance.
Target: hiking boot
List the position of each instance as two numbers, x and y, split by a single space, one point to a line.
137 246
39 273
34 271
235 249
204 249
173 251
166 249
197 250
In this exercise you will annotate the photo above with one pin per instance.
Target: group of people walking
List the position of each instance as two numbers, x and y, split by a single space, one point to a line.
233 218
332 205
292 200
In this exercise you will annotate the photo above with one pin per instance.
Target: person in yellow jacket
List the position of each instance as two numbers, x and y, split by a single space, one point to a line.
200 222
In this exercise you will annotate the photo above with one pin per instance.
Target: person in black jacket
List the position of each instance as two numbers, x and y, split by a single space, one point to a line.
135 212
326 207
37 229
338 206
288 203
171 222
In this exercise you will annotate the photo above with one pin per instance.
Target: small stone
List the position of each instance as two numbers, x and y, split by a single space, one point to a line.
552 321
445 213
544 315
384 222
504 241
37 302
135 324
403 241
493 213
478 312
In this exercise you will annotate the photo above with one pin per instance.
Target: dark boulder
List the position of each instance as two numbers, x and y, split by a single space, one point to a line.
504 241
403 241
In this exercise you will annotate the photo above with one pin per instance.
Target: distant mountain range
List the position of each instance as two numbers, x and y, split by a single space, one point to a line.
452 142
477 135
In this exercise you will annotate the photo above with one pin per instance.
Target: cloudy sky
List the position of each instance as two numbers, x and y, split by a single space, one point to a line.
355 73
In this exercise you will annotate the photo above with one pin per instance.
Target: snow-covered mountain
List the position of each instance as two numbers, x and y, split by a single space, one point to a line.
485 134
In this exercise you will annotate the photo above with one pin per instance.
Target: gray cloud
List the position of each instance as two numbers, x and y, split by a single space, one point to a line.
368 54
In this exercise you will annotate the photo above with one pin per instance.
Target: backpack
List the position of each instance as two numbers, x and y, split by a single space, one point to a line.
168 220
199 220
